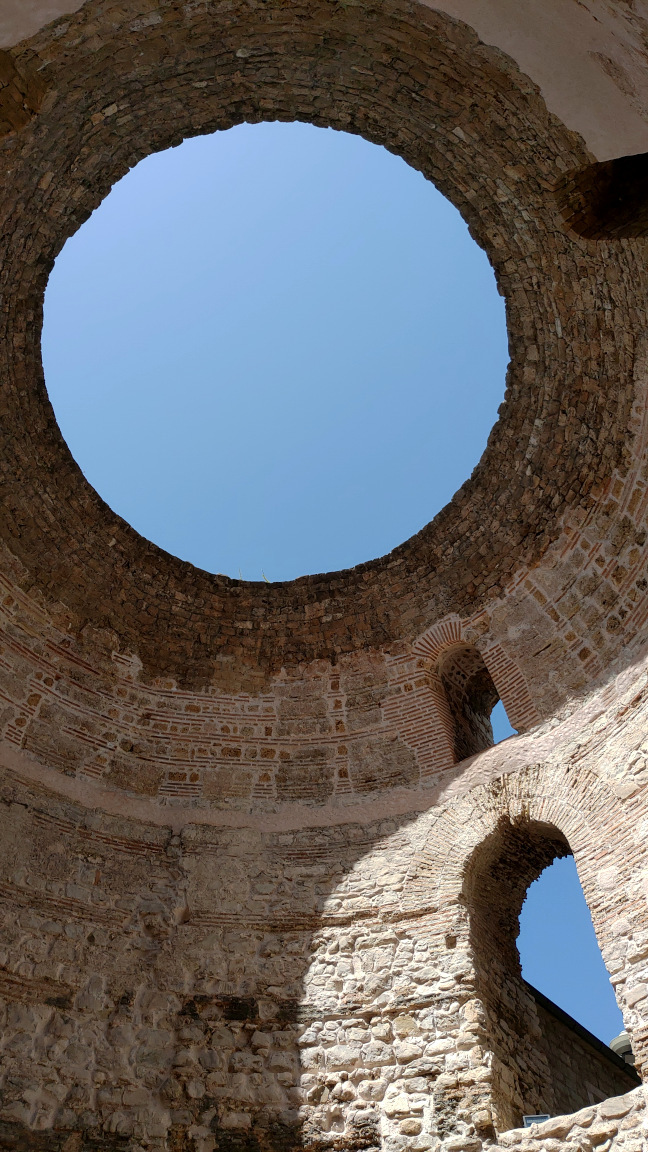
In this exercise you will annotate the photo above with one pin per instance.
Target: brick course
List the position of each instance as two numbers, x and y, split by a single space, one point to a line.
251 896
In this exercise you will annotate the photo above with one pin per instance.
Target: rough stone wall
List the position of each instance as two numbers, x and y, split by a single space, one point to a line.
256 893
293 985
619 1122
587 58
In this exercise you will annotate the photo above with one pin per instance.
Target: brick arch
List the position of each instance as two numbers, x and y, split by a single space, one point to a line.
585 814
414 892
471 696
451 635
512 687
496 879
446 838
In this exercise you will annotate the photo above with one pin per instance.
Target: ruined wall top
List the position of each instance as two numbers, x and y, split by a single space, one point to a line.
586 58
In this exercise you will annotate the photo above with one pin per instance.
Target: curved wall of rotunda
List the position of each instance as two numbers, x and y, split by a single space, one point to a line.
261 865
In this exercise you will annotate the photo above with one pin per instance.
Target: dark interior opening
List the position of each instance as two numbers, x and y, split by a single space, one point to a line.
607 201
471 696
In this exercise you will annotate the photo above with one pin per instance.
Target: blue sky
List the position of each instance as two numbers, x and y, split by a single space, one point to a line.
559 952
557 943
277 350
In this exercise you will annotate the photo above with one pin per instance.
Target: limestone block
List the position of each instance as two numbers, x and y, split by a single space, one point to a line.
397 1105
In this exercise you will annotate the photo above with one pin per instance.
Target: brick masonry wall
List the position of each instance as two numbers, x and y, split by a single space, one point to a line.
313 984
422 84
582 1073
64 701
248 898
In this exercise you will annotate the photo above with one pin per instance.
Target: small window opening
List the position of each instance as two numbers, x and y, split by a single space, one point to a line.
608 200
500 723
478 715
544 1062
471 697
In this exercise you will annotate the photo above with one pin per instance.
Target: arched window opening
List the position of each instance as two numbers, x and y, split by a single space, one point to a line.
500 723
559 952
544 1062
471 696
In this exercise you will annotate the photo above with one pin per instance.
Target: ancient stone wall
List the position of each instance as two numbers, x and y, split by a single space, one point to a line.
318 983
261 867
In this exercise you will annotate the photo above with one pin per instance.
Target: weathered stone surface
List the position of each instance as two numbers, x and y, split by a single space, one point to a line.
261 869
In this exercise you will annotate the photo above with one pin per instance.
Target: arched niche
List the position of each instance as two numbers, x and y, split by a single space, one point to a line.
531 1041
471 696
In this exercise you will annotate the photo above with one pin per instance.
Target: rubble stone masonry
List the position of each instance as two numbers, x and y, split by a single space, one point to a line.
261 866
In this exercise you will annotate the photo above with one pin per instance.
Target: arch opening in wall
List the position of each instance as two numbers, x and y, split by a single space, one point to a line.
471 696
543 1062
559 952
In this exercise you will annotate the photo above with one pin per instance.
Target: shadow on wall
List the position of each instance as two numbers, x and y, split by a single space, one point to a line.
220 996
